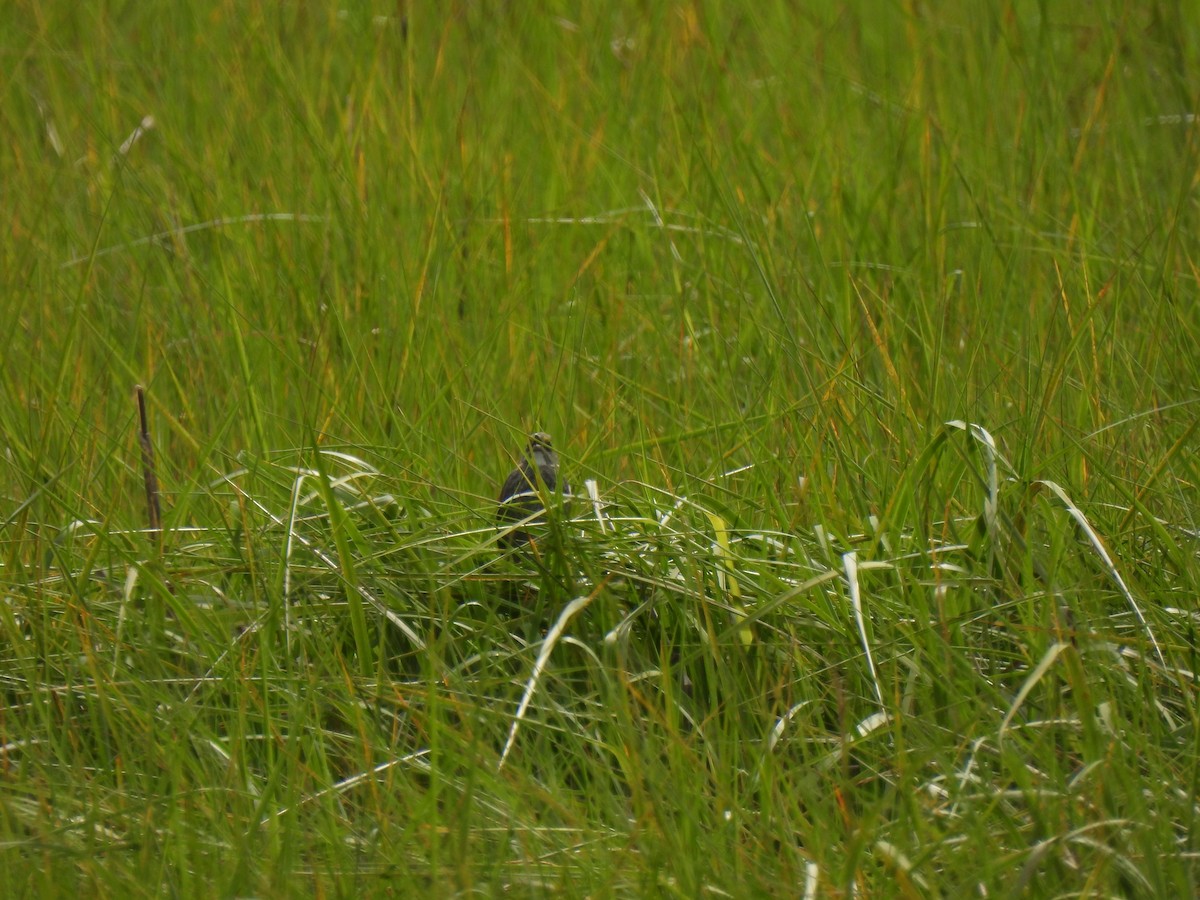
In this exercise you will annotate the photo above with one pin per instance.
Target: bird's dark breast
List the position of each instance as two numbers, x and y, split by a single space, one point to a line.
522 480
519 498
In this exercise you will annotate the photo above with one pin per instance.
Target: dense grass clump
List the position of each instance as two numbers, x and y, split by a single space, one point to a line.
867 337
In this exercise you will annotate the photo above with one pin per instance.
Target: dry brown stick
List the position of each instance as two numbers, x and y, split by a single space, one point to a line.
152 504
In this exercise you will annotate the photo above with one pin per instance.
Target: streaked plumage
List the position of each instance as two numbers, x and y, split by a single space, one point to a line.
519 497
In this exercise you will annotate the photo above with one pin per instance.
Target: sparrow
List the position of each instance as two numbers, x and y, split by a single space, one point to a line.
521 496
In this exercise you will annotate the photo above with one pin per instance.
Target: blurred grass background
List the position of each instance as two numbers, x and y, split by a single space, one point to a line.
749 254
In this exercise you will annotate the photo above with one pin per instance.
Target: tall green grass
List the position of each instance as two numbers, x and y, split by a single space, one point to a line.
873 326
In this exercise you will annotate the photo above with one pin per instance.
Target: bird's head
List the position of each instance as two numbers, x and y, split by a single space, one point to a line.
541 450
